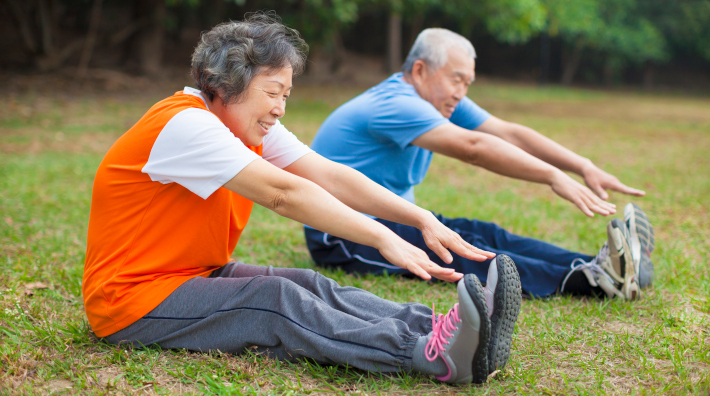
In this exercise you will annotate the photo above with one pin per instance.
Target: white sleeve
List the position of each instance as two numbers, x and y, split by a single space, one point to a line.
282 148
197 151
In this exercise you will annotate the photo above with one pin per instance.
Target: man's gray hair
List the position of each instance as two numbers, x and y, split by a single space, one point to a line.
230 55
432 46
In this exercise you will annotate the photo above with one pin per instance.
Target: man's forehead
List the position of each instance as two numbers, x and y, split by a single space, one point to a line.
460 64
470 76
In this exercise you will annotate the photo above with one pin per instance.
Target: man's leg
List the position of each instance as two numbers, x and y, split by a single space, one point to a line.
496 237
281 318
539 277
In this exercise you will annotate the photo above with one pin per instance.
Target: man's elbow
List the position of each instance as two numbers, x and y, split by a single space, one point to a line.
472 150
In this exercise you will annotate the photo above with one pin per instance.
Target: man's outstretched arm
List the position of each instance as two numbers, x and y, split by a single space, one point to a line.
497 155
557 155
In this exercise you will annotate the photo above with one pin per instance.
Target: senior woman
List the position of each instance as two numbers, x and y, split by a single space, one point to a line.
173 194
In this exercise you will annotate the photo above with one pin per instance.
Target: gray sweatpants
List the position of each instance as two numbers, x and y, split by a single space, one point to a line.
287 313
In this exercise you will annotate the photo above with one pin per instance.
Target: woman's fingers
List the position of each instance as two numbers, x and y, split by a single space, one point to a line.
435 244
446 240
465 249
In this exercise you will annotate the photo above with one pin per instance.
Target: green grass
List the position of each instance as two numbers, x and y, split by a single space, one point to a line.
50 147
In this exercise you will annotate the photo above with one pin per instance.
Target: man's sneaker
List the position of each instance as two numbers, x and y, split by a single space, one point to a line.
503 296
597 276
620 262
642 242
461 337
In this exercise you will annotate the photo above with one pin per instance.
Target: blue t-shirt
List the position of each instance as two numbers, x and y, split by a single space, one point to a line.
373 133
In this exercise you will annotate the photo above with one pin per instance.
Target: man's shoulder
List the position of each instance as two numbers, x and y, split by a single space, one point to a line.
391 97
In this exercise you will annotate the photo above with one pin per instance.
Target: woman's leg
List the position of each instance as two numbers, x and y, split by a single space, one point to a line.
350 300
281 318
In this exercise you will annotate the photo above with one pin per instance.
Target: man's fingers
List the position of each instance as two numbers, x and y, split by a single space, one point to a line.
623 188
595 206
583 207
599 190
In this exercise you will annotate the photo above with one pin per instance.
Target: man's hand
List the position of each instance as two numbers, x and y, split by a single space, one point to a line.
599 181
440 239
405 255
584 198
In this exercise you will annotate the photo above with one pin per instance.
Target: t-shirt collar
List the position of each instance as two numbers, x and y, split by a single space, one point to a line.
195 92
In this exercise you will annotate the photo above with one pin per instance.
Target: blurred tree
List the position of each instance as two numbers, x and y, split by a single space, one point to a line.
627 37
617 31
36 22
605 37
575 21
685 25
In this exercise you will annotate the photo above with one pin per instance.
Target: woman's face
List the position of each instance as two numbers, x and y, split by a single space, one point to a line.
257 110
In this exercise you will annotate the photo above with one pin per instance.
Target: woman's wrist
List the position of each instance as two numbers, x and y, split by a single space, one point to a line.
424 219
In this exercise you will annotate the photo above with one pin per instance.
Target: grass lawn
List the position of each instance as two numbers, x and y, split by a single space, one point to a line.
51 145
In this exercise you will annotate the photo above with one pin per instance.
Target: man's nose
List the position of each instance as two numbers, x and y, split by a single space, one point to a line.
460 93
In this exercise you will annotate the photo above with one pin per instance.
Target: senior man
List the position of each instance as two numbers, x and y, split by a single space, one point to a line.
390 133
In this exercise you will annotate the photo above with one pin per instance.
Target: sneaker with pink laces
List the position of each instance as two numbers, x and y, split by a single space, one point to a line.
461 337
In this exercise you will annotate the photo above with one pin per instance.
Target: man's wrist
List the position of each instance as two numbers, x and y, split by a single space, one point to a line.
585 167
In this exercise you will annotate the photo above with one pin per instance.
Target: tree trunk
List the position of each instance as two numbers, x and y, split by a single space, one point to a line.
23 25
151 39
417 24
609 72
648 76
572 64
338 52
45 24
216 12
94 21
544 57
394 42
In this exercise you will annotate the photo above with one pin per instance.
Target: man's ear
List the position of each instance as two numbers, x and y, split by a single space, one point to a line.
419 70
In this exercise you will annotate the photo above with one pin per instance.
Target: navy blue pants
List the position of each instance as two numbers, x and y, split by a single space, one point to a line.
541 265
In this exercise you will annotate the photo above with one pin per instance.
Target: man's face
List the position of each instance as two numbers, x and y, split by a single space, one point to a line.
263 102
444 88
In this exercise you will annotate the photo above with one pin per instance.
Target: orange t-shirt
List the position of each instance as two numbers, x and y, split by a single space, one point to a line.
146 238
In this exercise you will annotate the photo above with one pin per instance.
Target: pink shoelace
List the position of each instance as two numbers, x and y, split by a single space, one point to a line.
442 329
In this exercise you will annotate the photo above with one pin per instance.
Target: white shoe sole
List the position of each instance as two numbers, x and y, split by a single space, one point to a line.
630 287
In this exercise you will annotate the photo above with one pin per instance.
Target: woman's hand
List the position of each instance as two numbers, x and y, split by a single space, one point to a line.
405 255
441 240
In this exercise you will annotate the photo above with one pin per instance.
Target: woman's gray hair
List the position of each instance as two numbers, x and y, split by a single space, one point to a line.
432 46
230 55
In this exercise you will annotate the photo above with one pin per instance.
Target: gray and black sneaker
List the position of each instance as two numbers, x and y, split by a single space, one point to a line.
621 266
503 296
461 337
642 242
612 269
596 274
